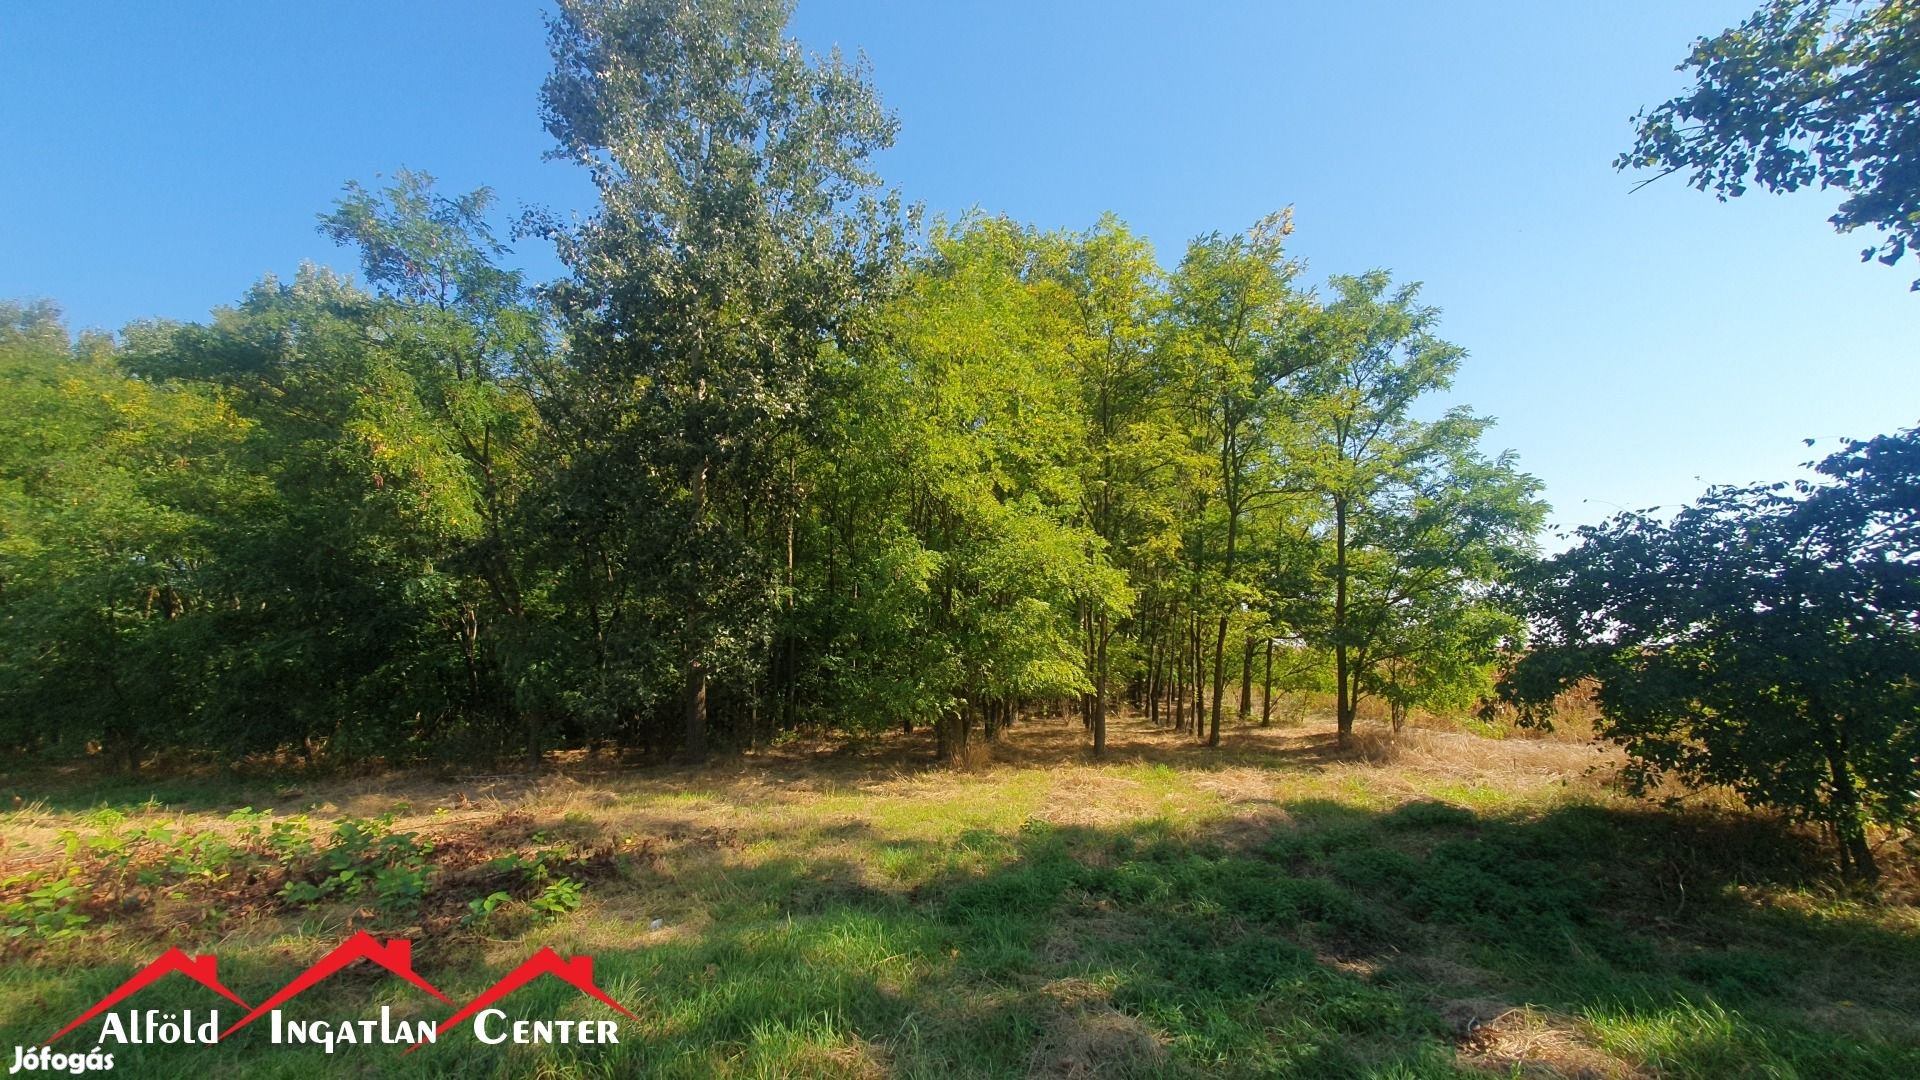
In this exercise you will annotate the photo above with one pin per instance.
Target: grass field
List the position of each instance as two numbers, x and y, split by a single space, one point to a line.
1440 905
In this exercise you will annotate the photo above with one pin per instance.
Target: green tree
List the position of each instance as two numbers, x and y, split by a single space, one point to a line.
1803 92
740 232
340 630
1425 613
473 348
1418 525
1109 278
990 456
1764 639
1234 321
111 493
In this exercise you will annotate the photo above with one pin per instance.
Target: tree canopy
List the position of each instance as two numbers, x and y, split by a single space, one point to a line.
1803 92
770 456
1765 639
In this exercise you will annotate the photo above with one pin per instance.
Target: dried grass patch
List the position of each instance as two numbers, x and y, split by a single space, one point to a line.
1530 1042
1410 761
856 1059
1093 1039
1238 786
1094 798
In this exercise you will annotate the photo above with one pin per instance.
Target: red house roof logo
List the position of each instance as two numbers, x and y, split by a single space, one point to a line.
395 955
576 972
200 969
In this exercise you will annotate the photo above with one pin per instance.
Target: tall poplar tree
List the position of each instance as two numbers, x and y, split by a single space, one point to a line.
739 233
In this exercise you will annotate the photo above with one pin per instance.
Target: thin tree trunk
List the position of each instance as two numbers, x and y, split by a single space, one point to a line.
1153 682
696 675
1246 680
1177 663
1100 688
696 711
1219 681
1342 677
1266 687
1199 680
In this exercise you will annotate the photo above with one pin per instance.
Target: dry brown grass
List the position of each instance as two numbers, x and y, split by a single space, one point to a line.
681 804
1576 717
1530 1042
1093 1039
855 1060
974 756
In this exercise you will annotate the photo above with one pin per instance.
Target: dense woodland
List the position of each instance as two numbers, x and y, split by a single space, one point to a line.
771 458
777 455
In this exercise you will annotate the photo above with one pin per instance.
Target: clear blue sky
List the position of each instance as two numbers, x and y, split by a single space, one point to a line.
161 157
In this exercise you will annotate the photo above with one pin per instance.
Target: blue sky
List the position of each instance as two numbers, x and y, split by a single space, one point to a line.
1634 346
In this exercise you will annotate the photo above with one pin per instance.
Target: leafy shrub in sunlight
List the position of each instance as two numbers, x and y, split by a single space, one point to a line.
47 911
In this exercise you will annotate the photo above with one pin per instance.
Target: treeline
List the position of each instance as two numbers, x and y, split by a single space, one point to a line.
769 457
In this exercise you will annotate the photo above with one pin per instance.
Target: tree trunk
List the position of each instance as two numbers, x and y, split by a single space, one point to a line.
1153 683
790 645
696 685
1856 857
696 712
962 724
1219 681
1177 663
1266 687
1100 687
1342 676
1343 708
1246 680
1199 681
1086 699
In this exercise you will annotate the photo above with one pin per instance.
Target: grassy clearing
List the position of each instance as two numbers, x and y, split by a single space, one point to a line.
1442 905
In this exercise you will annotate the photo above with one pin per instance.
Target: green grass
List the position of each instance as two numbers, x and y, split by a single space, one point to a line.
979 925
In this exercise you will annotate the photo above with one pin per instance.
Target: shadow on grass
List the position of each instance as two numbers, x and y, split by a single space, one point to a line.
1340 942
74 788
853 765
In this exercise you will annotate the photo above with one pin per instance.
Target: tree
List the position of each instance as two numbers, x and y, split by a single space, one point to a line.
1766 639
473 347
111 491
1803 92
1110 279
1423 596
1418 525
766 459
339 622
986 442
1234 318
740 232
